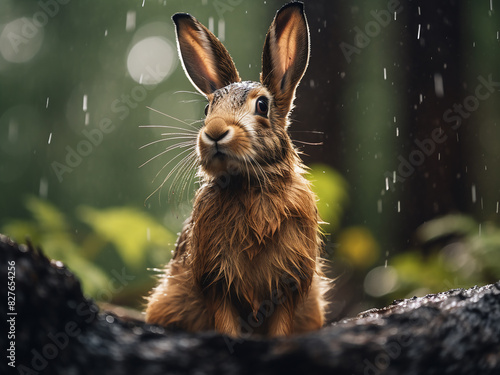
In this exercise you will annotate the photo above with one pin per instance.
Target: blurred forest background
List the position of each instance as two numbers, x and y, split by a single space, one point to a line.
397 116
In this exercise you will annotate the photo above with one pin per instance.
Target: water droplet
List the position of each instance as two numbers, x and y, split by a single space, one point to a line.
43 188
130 20
473 191
379 206
211 24
399 206
47 103
438 85
385 74
418 32
221 29
85 103
50 138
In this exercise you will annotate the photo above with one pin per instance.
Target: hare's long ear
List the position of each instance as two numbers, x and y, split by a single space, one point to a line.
205 60
286 54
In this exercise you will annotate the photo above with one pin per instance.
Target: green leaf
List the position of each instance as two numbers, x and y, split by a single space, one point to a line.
46 215
331 190
130 230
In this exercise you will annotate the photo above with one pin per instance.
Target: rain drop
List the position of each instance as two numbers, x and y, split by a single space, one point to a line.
385 74
438 85
211 24
222 29
85 103
130 20
418 32
50 138
47 103
43 188
473 191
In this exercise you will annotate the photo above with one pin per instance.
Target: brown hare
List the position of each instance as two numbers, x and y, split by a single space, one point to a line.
247 260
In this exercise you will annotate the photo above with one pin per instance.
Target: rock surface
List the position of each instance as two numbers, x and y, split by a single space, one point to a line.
59 331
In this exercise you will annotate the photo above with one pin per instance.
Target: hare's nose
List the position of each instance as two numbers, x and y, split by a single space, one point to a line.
216 137
216 131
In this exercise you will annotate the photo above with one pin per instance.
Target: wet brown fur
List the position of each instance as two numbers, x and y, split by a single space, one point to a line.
247 259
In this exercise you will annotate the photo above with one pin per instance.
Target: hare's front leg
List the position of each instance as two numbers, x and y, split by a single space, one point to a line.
226 319
309 313
281 320
177 301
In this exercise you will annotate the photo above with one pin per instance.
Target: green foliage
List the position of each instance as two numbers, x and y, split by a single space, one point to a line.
127 229
331 190
456 252
130 230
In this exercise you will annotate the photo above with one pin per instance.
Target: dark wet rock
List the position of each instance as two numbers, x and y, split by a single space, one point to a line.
59 331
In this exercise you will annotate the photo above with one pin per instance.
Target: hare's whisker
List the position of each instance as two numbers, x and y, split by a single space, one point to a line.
169 116
163 140
169 127
186 175
185 135
189 92
174 169
189 150
310 143
170 148
169 174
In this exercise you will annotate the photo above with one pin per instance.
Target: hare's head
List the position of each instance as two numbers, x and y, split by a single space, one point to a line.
246 122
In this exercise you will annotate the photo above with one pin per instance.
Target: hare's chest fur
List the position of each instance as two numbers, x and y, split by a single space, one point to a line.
254 241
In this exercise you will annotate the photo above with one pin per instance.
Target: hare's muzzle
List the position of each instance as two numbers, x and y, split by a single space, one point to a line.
215 135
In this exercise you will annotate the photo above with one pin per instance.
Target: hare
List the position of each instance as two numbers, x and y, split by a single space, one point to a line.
247 260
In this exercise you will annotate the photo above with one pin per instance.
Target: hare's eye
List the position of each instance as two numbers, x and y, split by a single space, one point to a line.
262 106
206 109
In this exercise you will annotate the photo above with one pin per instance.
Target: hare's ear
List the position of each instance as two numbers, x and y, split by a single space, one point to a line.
286 54
205 60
